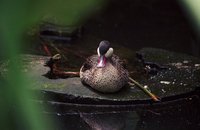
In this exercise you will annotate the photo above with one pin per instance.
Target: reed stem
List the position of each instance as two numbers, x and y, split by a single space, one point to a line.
153 96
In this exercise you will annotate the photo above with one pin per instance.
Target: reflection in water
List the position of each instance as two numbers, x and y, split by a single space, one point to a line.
181 116
94 121
105 121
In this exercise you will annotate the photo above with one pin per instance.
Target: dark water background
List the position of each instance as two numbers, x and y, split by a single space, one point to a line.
144 23
132 25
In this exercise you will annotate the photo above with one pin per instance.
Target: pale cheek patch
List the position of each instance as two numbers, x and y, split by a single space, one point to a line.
109 53
98 52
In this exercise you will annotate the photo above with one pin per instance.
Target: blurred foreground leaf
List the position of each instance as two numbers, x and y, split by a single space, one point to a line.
17 111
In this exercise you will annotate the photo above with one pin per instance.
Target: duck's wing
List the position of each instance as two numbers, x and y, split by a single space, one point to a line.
119 62
89 63
92 60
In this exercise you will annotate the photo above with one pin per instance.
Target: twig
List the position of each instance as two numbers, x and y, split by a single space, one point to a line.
58 50
66 74
46 49
154 97
56 71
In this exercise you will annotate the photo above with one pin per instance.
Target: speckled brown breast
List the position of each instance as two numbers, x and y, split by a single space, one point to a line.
110 78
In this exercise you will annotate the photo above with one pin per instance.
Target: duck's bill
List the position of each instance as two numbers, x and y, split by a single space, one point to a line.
101 62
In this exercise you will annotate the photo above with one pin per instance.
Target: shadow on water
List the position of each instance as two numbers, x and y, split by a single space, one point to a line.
131 25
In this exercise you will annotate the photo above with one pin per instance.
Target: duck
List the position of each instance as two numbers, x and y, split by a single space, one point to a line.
104 72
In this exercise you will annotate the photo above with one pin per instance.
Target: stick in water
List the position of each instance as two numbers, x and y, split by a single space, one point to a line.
154 97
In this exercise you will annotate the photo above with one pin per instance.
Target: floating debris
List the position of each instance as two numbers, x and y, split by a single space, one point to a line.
58 114
185 62
177 64
165 82
163 91
145 86
180 65
197 65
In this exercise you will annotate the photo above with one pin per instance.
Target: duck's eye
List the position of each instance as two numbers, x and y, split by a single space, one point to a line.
109 53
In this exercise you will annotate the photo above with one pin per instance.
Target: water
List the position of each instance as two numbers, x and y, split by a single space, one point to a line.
179 117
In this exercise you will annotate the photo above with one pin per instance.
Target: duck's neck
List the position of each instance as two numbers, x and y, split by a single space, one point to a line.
101 62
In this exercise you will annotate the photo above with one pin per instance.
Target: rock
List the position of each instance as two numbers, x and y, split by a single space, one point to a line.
180 80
